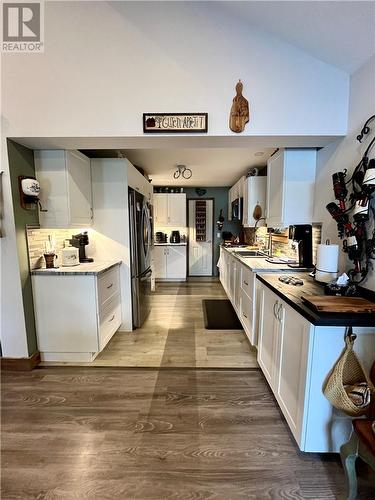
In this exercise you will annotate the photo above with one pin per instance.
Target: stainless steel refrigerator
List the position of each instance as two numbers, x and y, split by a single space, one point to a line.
141 241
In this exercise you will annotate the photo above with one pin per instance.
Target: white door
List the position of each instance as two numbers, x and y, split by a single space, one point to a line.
79 185
160 262
275 189
176 262
161 209
177 209
200 252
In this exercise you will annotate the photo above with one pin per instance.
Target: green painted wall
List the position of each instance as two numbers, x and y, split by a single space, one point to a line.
220 196
21 162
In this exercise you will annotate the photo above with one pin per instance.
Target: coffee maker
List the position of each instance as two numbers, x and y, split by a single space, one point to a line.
301 236
80 241
175 237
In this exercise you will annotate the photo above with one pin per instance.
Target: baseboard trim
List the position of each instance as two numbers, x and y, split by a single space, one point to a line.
20 364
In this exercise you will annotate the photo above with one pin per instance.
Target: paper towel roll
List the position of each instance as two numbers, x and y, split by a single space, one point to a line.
327 263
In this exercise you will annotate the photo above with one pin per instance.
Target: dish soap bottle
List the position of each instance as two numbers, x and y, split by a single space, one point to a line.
69 255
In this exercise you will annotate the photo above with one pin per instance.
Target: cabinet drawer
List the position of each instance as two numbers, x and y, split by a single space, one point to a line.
247 281
108 285
247 313
109 320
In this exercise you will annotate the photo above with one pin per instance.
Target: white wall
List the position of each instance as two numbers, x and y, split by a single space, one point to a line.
110 237
105 63
12 323
346 153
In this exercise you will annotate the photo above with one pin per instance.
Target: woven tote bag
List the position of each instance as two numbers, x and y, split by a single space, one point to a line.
347 371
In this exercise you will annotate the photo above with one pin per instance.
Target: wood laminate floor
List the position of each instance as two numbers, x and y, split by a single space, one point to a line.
108 434
174 335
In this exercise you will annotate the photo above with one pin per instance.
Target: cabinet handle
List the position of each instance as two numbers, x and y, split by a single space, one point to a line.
246 283
110 286
244 314
279 310
274 308
113 317
91 213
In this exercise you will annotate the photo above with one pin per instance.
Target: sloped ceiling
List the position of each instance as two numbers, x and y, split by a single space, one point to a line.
340 33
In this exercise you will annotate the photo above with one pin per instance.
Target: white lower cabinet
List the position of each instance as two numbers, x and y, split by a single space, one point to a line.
239 284
268 331
283 356
170 262
76 314
296 357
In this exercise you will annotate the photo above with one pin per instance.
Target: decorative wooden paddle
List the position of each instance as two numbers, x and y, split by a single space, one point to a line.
239 113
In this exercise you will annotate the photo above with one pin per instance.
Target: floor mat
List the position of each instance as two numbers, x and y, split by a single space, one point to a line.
220 315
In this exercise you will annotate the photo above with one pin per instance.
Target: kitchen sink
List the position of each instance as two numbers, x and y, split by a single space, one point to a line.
250 253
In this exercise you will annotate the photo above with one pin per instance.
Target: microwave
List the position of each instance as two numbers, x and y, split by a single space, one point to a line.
237 209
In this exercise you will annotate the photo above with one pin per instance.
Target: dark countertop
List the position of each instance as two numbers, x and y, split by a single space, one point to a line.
292 295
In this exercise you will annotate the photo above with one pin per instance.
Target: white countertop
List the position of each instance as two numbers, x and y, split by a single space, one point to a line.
259 263
87 268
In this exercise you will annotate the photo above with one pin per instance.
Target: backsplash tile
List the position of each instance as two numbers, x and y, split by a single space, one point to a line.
36 238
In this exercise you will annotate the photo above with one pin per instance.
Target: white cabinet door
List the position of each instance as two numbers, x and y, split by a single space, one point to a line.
176 262
291 366
160 262
161 209
246 314
79 188
290 187
255 194
275 189
66 193
177 210
268 327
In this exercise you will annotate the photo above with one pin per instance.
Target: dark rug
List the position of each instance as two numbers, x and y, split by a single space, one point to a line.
220 315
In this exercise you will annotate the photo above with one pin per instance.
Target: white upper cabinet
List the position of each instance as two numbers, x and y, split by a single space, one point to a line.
236 191
65 182
138 181
290 187
161 209
170 209
254 193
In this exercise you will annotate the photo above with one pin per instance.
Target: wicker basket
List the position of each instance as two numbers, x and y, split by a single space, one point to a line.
347 371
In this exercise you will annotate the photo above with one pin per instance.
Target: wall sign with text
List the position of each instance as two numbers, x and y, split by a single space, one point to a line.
174 123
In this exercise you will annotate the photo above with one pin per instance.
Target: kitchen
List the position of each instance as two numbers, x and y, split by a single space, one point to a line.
140 241
195 255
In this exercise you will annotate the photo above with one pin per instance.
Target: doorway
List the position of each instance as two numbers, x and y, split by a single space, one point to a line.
200 221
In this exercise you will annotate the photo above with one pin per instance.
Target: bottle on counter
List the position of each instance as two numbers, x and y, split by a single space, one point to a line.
69 255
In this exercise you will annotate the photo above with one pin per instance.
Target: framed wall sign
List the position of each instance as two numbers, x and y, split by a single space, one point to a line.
175 123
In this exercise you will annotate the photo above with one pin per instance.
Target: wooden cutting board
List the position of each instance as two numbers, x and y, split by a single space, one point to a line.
333 304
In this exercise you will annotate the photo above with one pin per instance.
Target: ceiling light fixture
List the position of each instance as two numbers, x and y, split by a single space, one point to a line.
182 171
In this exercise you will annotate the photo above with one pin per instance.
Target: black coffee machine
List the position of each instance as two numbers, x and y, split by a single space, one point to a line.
175 237
301 235
80 241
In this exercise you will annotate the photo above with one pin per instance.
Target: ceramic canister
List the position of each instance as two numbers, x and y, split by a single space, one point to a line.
69 255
